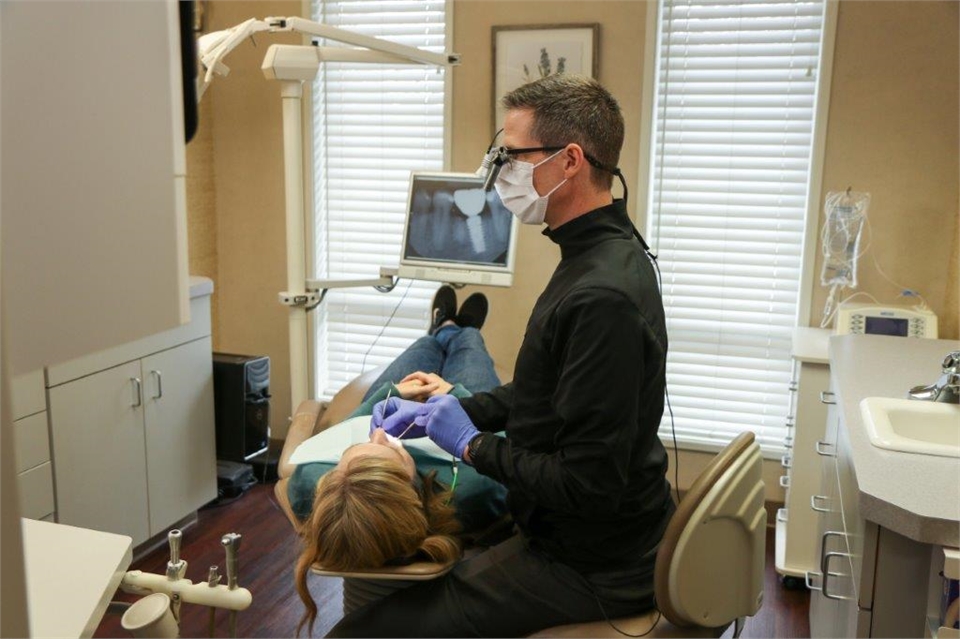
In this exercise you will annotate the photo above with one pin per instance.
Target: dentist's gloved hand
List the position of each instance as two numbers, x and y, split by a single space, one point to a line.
394 415
448 425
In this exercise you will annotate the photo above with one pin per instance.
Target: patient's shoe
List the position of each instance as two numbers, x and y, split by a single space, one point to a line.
473 311
444 308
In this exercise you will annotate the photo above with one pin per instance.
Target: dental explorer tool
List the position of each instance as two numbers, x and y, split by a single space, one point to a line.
231 543
213 579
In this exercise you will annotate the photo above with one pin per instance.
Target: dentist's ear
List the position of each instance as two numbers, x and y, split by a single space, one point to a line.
574 160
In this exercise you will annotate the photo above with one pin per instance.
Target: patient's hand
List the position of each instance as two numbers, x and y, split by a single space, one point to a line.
437 385
416 389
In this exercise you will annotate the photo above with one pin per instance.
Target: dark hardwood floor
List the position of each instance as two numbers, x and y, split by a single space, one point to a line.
268 551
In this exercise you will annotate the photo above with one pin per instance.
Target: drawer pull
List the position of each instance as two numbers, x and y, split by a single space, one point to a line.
810 577
827 573
785 481
823 547
793 387
782 514
826 397
822 448
814 499
786 461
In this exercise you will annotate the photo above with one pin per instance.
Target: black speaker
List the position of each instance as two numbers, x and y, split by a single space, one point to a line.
241 395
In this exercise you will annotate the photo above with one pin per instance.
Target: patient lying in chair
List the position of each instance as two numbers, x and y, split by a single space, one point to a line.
367 501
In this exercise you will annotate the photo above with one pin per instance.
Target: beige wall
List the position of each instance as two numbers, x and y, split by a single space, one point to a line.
893 131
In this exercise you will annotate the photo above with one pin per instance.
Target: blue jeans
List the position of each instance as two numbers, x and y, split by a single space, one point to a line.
456 354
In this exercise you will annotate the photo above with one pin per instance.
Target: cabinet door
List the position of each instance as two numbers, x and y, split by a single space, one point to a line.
98 452
181 453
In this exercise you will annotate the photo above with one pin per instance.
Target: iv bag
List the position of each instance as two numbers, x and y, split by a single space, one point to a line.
840 240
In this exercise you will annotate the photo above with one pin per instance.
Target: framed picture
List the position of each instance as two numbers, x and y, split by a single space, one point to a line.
524 53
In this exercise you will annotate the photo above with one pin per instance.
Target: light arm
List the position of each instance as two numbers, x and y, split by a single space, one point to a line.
214 47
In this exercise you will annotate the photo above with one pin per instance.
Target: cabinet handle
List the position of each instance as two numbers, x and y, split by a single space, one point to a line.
823 548
785 481
813 503
826 397
809 577
786 461
820 446
788 441
793 386
159 384
827 573
137 392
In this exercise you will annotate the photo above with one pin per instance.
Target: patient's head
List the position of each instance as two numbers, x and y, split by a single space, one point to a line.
372 509
381 446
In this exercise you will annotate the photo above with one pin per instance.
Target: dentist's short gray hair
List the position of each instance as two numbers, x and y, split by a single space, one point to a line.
573 108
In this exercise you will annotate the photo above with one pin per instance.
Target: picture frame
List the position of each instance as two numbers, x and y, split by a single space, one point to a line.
524 53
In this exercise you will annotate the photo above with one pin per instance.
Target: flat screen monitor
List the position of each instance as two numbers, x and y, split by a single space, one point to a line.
456 232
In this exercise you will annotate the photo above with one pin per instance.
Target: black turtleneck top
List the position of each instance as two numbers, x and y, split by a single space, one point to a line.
582 463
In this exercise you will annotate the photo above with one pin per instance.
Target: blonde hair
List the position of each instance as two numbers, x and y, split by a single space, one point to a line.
369 513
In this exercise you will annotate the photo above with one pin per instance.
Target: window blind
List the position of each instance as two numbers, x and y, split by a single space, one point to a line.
372 125
733 133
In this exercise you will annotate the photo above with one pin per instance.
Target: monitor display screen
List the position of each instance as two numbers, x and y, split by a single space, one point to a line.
887 326
456 232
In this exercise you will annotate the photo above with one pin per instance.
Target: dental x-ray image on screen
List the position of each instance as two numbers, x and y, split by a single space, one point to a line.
456 232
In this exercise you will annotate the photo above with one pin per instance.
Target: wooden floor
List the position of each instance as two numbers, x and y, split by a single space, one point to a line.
268 551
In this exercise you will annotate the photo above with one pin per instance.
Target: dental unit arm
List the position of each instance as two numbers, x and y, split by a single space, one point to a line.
206 593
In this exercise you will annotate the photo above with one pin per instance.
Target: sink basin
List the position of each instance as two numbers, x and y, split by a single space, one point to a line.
927 428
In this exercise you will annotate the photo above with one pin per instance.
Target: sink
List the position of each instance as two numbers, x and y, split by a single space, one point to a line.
927 428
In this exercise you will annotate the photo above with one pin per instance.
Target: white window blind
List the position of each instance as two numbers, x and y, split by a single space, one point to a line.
373 125
733 134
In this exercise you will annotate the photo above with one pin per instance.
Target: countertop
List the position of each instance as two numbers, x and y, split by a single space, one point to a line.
915 495
810 344
72 574
200 286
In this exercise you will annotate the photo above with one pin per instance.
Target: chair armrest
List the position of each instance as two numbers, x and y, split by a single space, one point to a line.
301 428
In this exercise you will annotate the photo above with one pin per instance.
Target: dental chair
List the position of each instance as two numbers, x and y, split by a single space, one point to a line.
709 569
710 565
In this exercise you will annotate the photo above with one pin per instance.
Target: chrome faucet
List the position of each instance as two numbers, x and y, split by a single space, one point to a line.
947 388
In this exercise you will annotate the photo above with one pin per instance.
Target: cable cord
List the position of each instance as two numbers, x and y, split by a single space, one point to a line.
363 363
610 623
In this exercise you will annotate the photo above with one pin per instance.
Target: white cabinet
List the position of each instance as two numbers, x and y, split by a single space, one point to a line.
133 443
796 522
32 447
869 581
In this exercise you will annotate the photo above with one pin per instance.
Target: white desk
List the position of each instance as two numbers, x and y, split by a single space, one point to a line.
72 574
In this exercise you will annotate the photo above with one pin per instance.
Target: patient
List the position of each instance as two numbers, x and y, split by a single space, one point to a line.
384 504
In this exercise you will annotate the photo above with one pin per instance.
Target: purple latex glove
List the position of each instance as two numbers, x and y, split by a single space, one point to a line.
448 425
400 418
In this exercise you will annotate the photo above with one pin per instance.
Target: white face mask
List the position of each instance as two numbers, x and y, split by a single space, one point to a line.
515 186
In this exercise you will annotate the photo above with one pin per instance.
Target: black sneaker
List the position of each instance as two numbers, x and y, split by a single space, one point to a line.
473 311
444 308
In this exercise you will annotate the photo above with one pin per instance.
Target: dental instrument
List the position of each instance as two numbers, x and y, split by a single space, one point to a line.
210 593
213 578
231 543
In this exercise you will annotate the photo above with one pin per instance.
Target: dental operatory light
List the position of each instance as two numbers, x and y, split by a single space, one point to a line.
212 48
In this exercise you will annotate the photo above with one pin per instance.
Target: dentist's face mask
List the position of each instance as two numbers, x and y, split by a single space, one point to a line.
515 186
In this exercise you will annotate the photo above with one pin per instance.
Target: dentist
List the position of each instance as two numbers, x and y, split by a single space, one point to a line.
582 463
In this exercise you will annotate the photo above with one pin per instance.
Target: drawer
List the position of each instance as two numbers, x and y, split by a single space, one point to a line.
35 487
27 395
32 441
